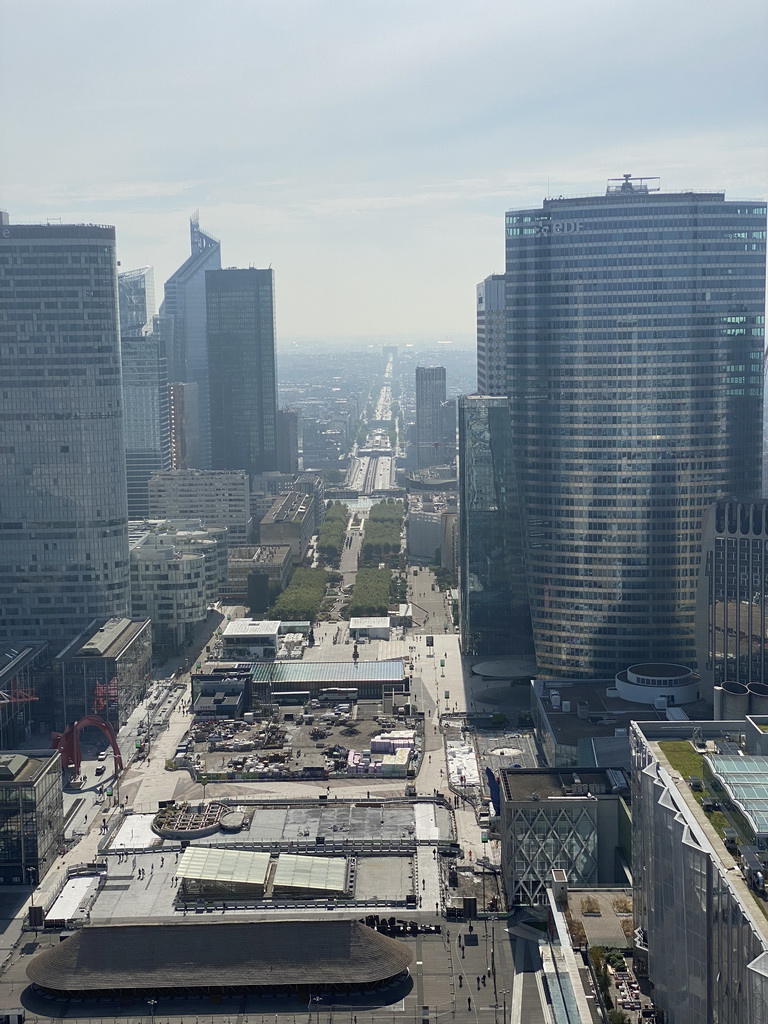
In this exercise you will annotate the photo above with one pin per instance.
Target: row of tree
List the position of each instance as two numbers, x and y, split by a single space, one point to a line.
371 593
301 599
381 534
333 532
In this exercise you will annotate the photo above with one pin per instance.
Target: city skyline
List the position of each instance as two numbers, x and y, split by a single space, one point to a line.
385 138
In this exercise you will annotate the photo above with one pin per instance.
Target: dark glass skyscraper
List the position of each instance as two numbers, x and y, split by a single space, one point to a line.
635 325
63 515
430 397
243 384
494 612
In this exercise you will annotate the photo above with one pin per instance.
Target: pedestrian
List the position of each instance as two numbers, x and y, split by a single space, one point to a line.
461 981
478 983
469 1002
162 861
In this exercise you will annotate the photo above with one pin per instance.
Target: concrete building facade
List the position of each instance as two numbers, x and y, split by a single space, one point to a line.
556 820
215 497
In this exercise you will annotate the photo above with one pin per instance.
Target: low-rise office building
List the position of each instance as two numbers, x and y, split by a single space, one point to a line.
375 627
223 693
216 497
247 638
277 681
577 821
104 671
31 815
257 575
291 520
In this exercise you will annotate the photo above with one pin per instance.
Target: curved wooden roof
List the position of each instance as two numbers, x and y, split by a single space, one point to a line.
201 954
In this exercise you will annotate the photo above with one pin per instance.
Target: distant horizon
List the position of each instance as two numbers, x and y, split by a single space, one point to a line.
366 152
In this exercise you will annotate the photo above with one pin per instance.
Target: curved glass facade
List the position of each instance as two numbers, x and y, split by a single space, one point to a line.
635 325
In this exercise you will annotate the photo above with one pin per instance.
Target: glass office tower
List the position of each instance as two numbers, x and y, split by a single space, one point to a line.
184 327
241 369
136 291
494 613
63 514
635 324
145 387
147 418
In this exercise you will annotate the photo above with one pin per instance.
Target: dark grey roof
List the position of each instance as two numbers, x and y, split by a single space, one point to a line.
194 954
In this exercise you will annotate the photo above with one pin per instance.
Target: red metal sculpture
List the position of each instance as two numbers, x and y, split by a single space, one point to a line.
68 742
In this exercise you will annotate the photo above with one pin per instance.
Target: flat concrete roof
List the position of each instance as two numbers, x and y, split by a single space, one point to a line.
568 728
250 627
523 783
23 767
104 638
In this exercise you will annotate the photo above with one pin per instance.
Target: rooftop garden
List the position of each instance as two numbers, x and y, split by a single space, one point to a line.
684 759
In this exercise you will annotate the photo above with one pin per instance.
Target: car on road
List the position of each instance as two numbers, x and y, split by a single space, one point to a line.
101 769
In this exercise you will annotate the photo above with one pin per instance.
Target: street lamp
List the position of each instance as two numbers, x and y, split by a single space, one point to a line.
152 1003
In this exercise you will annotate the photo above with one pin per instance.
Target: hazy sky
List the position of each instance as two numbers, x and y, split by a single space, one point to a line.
367 149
